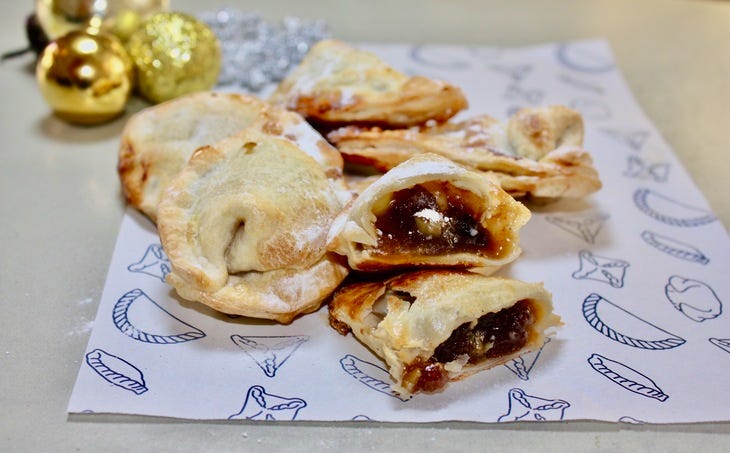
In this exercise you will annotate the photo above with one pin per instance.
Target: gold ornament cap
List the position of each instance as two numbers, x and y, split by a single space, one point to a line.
174 54
86 78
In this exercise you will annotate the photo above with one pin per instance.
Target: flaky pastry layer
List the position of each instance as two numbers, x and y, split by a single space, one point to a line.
537 151
337 84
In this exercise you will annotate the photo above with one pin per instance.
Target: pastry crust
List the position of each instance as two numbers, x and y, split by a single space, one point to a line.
408 319
429 211
537 152
158 141
338 84
251 204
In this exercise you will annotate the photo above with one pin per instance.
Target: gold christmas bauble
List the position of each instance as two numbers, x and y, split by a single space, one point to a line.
174 54
86 78
120 17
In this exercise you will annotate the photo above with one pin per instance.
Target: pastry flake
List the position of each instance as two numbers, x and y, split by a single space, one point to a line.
245 217
536 152
158 141
435 326
429 211
337 84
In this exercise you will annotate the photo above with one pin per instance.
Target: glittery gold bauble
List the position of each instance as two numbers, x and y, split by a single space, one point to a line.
86 78
174 54
58 17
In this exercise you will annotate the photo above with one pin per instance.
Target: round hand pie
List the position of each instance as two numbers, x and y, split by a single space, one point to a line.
246 216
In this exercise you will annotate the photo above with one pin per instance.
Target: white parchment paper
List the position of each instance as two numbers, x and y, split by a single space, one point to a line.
638 273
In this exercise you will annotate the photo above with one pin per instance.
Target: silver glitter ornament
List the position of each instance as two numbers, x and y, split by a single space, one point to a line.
255 52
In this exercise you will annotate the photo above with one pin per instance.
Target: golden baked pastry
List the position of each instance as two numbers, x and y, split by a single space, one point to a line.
537 151
435 326
429 211
336 84
244 225
158 141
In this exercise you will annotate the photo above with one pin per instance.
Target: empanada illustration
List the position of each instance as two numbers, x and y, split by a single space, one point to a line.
537 151
435 326
430 211
338 84
693 298
244 226
260 405
524 407
116 371
158 141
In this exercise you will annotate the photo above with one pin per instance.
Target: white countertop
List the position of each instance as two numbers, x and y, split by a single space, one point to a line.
61 208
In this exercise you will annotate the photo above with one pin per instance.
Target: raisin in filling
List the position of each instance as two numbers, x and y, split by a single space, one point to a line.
434 218
494 335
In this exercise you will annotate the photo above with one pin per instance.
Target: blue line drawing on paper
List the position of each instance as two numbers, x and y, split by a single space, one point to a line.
370 375
522 365
722 343
581 84
634 139
583 57
669 211
631 420
154 263
361 418
260 405
117 371
601 269
269 352
449 57
625 327
592 109
627 377
527 407
178 331
532 96
638 168
673 247
515 73
693 298
585 227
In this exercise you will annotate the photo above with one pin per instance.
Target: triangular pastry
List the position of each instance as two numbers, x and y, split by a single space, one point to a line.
337 84
158 141
429 211
537 151
244 226
435 326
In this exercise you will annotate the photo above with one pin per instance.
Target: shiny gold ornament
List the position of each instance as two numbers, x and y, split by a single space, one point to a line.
86 78
58 17
174 54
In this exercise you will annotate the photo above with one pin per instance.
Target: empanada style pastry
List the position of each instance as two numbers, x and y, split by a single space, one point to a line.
244 226
537 151
158 141
337 84
435 326
429 211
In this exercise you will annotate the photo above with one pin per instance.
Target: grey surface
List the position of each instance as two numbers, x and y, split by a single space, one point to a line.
60 210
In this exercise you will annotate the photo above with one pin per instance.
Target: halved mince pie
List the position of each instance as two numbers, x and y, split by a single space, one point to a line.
244 225
158 141
429 211
537 151
435 326
337 84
